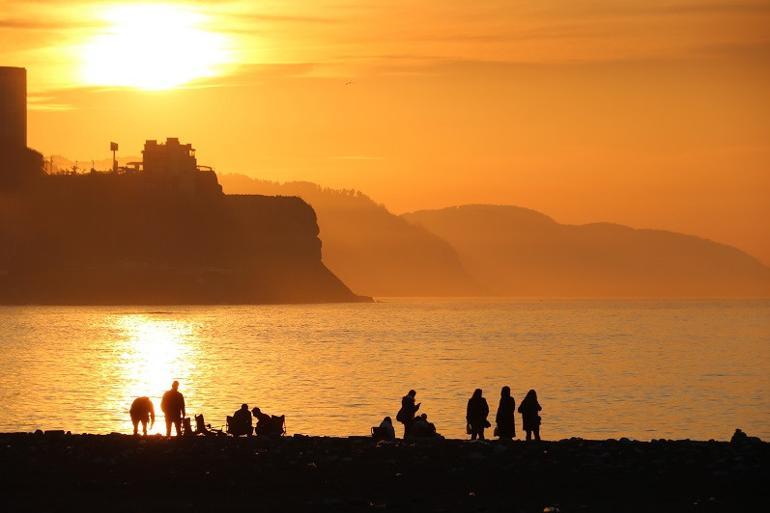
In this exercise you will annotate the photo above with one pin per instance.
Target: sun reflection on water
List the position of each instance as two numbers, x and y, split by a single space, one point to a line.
698 368
153 353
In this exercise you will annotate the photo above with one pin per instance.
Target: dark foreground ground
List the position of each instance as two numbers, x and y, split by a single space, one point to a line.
121 473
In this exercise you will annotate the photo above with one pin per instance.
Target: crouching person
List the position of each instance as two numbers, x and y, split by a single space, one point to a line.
385 431
142 411
422 428
269 425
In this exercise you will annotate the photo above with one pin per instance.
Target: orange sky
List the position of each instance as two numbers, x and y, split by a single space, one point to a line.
653 114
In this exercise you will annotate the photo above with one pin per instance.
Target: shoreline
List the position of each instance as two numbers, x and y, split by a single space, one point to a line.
58 472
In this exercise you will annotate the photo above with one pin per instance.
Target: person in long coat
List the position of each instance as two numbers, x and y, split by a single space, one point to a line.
530 415
476 415
505 418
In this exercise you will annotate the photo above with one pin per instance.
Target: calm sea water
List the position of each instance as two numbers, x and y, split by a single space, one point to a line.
642 369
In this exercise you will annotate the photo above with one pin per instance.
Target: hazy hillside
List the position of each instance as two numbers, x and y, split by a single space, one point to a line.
516 251
373 251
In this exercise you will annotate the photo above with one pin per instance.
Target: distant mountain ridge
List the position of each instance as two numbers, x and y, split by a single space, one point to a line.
372 250
510 251
516 251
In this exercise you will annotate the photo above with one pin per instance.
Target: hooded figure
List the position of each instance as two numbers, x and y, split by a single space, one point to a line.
476 415
506 423
385 431
529 409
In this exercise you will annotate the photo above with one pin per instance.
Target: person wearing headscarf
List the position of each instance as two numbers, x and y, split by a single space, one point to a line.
530 415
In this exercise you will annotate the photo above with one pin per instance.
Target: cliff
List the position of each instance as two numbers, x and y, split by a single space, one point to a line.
371 249
130 239
520 252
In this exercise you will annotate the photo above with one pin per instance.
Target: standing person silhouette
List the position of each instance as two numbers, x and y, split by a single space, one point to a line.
505 418
476 415
408 410
529 409
142 411
172 405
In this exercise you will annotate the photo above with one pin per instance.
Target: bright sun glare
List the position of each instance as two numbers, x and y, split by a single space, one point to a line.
153 46
153 352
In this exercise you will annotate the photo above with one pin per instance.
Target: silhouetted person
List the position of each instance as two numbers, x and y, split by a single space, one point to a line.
240 422
476 415
142 411
172 405
385 431
741 438
422 428
264 421
529 409
408 410
505 418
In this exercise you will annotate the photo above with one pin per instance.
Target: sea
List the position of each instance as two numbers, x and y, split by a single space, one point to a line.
641 369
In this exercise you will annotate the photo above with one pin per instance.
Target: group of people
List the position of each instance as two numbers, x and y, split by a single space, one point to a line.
478 410
476 417
172 404
415 426
239 423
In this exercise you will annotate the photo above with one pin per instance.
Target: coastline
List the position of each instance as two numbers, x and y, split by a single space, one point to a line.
60 472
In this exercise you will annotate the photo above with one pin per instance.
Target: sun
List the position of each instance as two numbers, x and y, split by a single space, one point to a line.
153 47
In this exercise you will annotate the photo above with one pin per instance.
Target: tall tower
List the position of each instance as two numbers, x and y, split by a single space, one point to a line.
17 162
13 109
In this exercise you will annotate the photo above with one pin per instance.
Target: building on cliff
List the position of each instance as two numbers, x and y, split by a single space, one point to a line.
164 235
172 158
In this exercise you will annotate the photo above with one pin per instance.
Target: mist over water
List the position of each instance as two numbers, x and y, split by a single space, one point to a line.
641 369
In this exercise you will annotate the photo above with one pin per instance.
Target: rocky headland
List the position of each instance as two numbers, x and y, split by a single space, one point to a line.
105 238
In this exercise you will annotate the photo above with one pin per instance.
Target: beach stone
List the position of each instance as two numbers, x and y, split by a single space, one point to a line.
294 474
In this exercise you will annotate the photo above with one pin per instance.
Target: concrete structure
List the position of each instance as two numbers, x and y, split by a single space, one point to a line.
170 159
13 108
17 162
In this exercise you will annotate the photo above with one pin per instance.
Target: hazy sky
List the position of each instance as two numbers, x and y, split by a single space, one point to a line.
642 112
